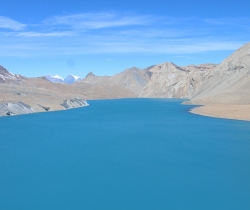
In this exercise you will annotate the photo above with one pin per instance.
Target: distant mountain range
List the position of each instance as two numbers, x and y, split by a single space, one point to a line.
70 79
226 83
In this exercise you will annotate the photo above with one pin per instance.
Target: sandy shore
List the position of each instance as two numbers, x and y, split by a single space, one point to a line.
228 111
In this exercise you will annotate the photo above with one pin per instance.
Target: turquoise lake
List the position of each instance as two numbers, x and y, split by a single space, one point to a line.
127 154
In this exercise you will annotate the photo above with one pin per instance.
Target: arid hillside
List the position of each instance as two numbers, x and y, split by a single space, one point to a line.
132 79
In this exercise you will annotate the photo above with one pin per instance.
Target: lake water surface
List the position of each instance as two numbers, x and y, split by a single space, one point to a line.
128 154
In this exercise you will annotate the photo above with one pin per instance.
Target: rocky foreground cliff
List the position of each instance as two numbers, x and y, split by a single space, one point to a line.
227 83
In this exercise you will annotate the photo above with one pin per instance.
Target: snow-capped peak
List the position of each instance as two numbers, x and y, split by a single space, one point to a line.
55 78
71 79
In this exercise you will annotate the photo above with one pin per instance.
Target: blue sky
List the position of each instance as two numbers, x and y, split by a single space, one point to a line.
105 37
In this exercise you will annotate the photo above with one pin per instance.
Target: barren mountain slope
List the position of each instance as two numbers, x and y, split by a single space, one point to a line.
171 81
226 92
230 82
132 79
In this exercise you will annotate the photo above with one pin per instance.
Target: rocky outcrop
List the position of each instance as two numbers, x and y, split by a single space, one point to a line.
15 109
46 108
74 103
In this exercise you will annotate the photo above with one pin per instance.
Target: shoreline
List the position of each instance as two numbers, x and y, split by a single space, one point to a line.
39 112
223 111
8 109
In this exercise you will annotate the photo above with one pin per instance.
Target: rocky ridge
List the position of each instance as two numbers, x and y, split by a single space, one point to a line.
15 108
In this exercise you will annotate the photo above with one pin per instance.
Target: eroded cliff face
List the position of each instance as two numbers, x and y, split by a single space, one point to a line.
17 108
171 81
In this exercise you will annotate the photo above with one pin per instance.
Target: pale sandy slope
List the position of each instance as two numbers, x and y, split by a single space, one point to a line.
226 93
